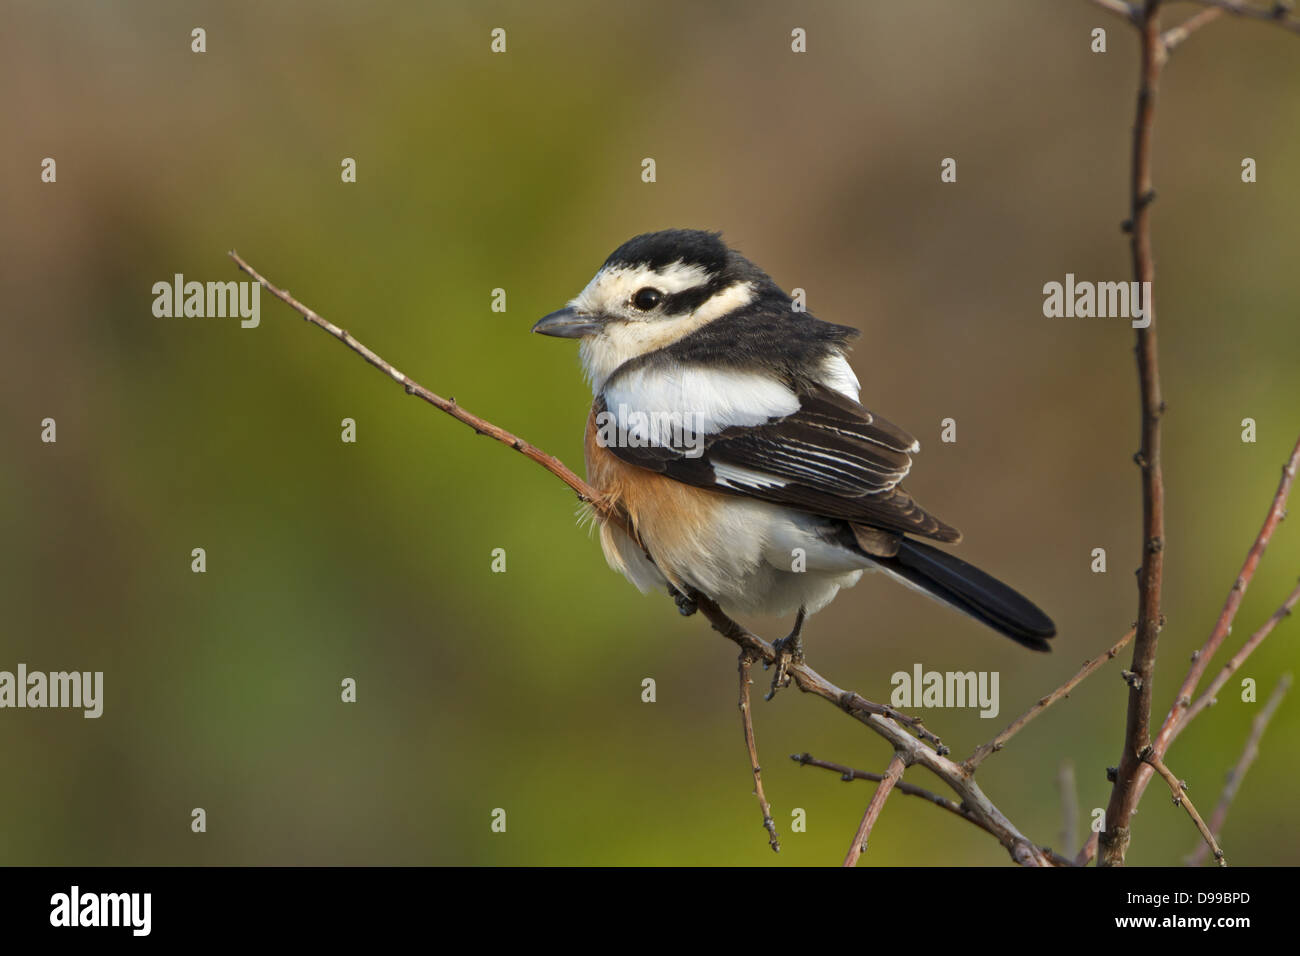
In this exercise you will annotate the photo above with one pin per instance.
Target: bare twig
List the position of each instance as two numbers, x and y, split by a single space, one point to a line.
1137 734
1069 804
1277 13
1022 850
1120 8
1134 772
1223 626
1179 790
1208 696
1089 851
1238 772
849 774
1184 708
892 774
1172 38
1017 725
1175 35
480 425
851 703
747 719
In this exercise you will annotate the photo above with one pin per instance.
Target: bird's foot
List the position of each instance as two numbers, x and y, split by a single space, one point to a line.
789 650
686 603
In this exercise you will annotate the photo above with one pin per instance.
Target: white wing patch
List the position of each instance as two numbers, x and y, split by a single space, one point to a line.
837 375
733 476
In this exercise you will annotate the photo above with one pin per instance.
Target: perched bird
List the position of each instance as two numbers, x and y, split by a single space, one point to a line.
727 428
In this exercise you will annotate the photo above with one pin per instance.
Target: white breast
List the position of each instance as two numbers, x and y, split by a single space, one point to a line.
712 399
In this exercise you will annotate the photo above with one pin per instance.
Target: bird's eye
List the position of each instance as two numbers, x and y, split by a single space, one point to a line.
647 298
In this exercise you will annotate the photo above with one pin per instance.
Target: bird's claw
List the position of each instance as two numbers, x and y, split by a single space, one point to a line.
789 650
686 605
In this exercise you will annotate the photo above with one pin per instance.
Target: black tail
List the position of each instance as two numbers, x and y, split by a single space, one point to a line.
971 591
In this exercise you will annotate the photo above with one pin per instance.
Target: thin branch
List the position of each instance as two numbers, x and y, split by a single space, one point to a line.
848 774
1277 13
1223 626
851 703
1208 697
892 775
1120 8
1179 790
1238 772
1089 851
1020 847
1069 804
1017 725
747 719
1137 734
1184 709
1134 773
482 426
1172 38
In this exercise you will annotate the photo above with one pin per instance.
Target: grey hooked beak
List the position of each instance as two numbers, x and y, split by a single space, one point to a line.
568 323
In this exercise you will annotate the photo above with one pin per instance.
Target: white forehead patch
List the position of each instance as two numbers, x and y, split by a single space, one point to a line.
612 288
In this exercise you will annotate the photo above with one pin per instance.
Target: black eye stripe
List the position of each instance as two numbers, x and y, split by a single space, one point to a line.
679 303
689 300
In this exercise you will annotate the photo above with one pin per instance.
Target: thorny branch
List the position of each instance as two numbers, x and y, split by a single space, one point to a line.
848 774
893 773
1141 756
1017 725
915 751
1120 7
1176 719
1208 697
1278 12
1137 735
1185 707
748 721
1172 38
1238 772
1179 790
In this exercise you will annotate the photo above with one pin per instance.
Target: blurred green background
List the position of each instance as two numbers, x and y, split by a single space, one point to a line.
522 171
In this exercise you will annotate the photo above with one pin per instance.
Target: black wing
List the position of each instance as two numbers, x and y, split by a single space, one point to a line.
831 457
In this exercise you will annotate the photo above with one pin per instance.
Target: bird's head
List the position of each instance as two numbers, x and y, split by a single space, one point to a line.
654 290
